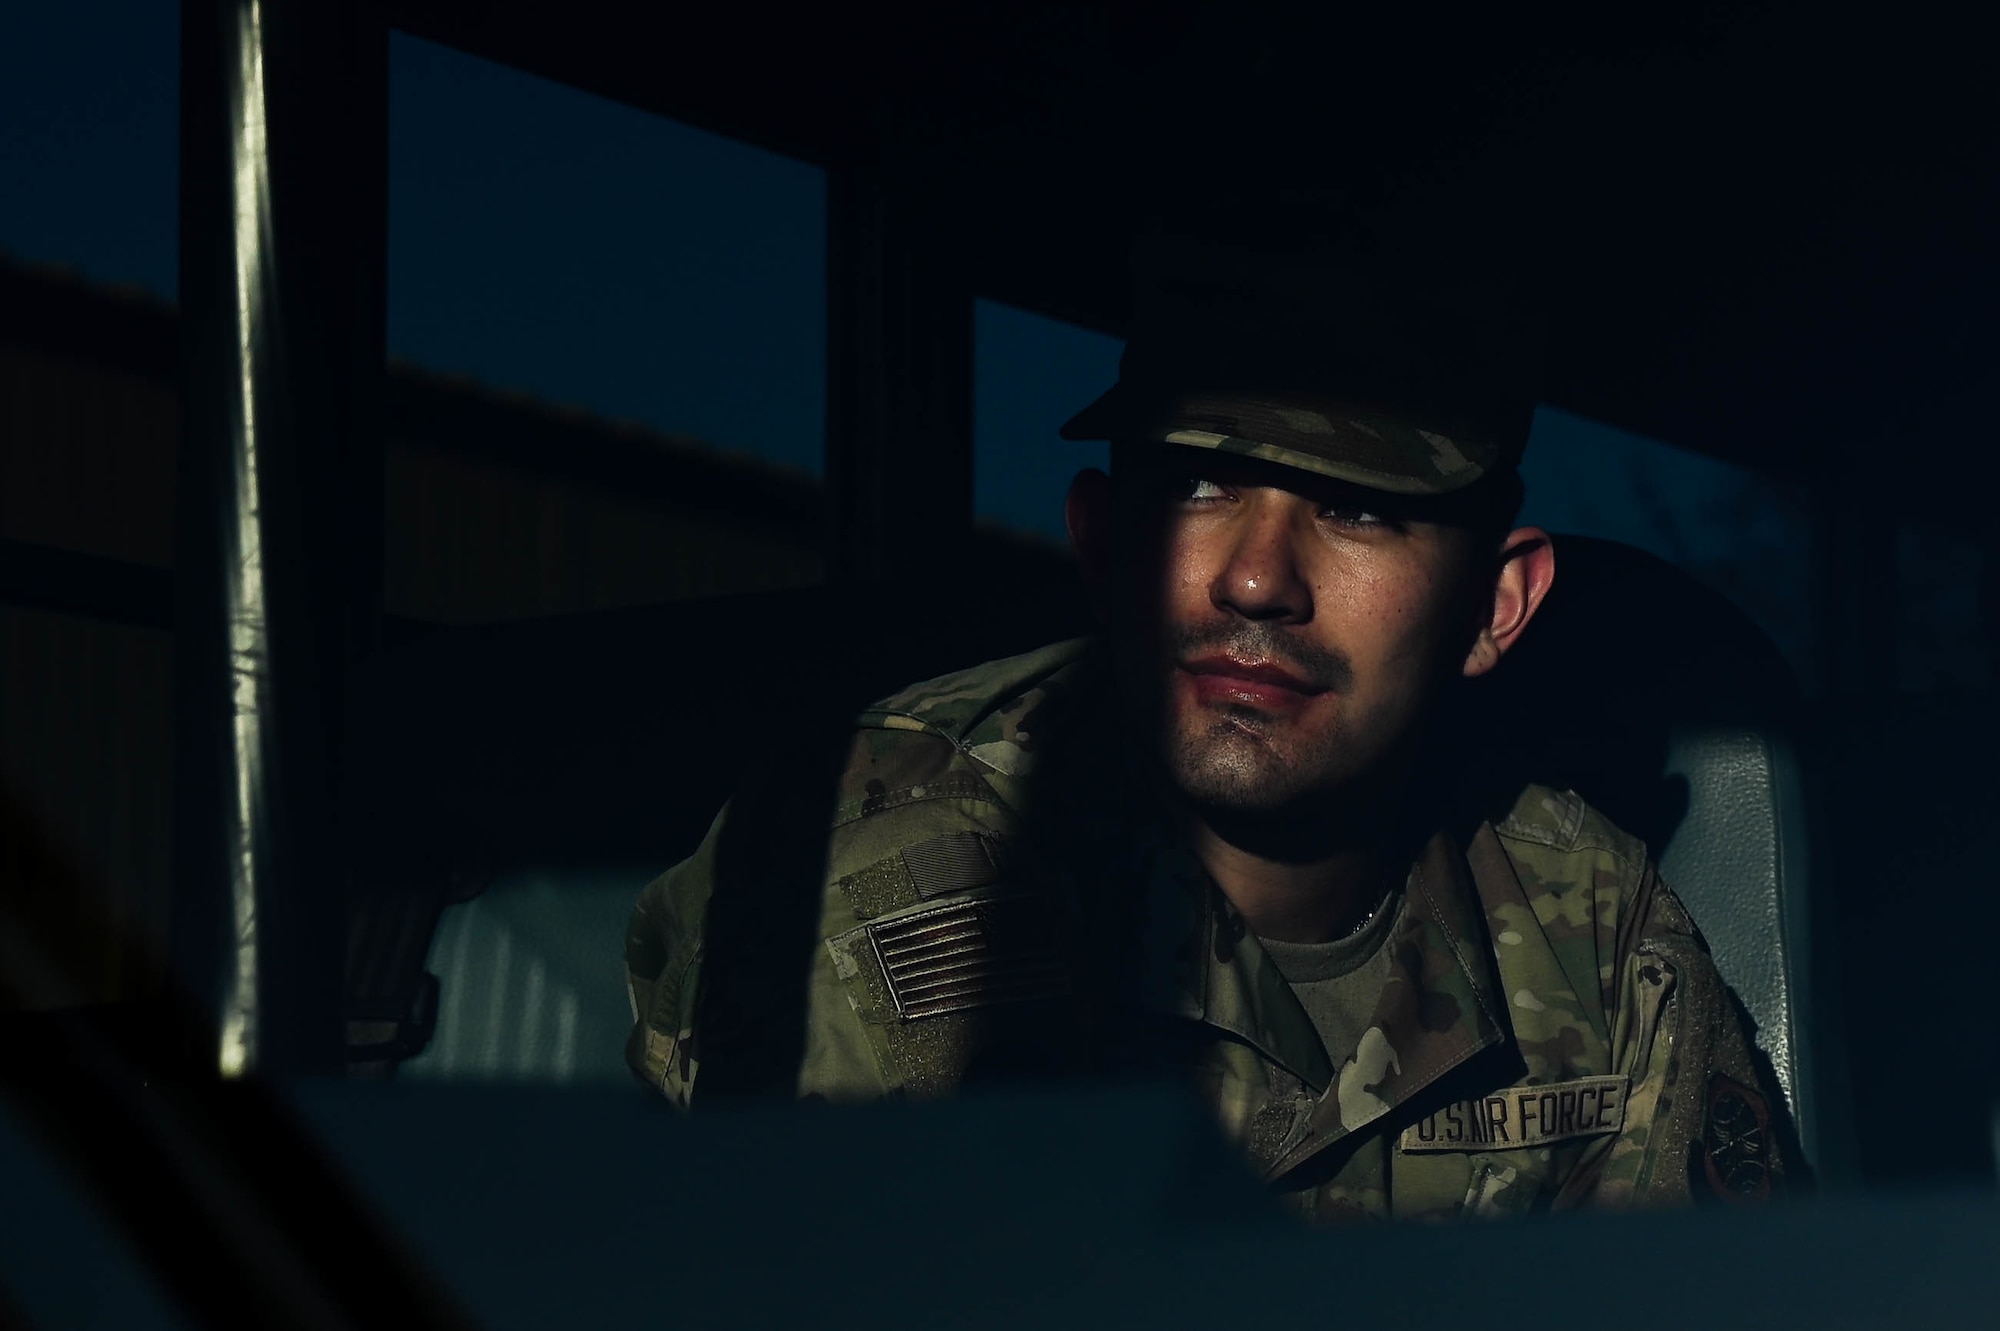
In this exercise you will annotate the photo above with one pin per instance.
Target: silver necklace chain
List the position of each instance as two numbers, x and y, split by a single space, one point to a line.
1381 904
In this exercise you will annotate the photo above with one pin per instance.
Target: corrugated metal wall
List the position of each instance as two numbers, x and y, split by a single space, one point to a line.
86 456
475 541
86 759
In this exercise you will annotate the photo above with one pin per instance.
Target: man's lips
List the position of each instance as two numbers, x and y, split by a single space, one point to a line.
1258 683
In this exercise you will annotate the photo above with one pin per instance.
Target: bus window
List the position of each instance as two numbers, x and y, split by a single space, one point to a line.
1030 374
607 342
1741 533
89 227
90 145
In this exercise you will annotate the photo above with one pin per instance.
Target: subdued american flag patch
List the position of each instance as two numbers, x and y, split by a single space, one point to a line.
970 954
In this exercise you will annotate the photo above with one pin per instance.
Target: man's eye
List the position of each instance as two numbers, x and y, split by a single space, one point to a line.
1350 516
1194 487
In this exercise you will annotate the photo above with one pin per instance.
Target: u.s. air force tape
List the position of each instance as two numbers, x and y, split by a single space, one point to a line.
1521 1116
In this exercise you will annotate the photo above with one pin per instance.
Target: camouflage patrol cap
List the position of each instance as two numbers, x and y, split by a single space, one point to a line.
1412 390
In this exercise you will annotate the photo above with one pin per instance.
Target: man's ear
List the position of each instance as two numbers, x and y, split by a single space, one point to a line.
1527 570
1087 514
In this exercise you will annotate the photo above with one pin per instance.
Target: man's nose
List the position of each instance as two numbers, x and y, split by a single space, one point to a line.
1260 577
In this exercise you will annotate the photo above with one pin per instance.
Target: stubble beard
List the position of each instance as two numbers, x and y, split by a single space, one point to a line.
1287 796
1229 760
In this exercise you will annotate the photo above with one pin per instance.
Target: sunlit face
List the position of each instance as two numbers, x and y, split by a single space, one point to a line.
1289 628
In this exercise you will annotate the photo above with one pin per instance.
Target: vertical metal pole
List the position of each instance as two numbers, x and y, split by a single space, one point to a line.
899 372
283 170
1989 602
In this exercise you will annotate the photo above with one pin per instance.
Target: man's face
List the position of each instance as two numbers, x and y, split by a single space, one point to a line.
1289 628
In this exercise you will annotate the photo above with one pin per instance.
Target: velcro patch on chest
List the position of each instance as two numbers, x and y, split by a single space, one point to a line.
1521 1116
956 862
970 954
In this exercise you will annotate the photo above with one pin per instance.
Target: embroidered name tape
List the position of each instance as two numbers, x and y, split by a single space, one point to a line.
1524 1116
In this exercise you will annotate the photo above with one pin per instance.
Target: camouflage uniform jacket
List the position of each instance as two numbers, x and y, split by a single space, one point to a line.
1553 1032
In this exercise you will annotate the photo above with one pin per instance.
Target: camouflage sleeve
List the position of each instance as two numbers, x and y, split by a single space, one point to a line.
1698 1120
663 949
898 789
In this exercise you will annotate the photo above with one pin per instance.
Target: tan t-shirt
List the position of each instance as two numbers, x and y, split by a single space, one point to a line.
1338 983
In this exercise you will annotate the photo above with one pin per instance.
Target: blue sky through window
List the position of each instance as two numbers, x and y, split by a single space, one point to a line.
1030 374
90 140
546 240
1740 533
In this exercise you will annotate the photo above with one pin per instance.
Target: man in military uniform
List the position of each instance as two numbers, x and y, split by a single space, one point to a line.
1221 840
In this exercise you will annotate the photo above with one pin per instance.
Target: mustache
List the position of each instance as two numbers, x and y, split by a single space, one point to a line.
1255 641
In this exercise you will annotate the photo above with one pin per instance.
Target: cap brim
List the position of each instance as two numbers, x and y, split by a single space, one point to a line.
1344 440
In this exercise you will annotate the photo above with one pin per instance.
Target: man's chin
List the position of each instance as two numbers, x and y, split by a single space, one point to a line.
1238 782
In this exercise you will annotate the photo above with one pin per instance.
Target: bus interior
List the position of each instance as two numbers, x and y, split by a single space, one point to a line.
350 701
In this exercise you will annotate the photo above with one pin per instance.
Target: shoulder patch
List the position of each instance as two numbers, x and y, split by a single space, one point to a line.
1734 1154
